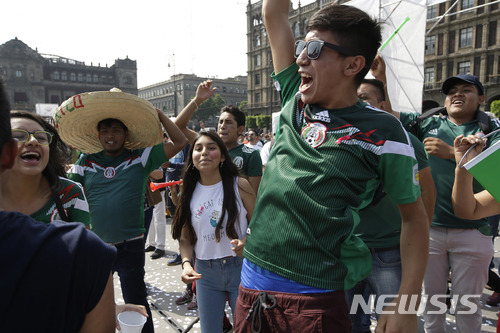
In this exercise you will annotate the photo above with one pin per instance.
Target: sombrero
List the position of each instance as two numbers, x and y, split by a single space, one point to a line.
76 119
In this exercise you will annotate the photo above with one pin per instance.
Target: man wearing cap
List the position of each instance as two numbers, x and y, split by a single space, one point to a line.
114 177
462 246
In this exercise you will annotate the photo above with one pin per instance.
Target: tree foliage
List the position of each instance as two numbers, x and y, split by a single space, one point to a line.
210 108
495 108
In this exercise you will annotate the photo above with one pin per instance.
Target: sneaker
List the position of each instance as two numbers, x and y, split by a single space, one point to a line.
186 297
494 299
194 304
176 261
158 254
150 249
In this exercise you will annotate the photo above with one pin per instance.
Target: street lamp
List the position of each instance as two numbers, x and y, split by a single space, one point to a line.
172 60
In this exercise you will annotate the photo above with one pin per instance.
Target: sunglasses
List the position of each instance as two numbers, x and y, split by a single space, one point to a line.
314 47
43 137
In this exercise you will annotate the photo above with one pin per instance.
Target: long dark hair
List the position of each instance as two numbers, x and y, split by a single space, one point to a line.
59 153
191 176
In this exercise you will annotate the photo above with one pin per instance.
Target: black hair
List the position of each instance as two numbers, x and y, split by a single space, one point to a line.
191 176
353 29
59 152
379 85
5 129
108 122
239 116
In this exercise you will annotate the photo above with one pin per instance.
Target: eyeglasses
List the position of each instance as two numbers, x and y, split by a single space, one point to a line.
314 47
42 137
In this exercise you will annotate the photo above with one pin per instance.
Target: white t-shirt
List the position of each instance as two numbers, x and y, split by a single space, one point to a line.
257 146
206 209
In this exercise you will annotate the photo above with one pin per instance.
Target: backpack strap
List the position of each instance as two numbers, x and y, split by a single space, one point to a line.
484 121
427 114
60 208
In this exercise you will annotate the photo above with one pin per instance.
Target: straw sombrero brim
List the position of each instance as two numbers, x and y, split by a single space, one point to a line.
76 119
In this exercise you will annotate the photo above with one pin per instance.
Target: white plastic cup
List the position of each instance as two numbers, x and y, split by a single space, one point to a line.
131 321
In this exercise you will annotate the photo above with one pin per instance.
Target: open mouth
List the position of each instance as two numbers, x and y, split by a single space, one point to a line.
458 102
30 156
306 81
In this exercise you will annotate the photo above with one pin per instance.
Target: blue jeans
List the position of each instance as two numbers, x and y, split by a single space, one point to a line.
384 279
220 277
129 265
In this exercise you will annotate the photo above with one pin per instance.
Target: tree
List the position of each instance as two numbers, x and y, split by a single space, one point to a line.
251 122
210 108
263 121
243 107
495 108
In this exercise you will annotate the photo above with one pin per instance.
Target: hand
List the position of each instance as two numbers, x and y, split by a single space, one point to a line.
378 69
129 307
239 244
462 144
188 274
396 322
438 148
204 91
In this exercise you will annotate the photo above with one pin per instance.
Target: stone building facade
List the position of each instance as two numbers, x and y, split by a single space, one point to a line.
32 78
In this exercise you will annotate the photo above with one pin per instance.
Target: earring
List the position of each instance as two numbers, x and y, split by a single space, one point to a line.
221 163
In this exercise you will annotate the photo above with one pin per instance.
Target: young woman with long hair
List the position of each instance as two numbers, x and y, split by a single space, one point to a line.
210 223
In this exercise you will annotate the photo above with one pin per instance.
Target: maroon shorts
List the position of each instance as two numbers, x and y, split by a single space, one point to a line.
325 312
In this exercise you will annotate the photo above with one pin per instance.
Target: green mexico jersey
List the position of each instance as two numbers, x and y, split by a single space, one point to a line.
247 160
73 201
443 170
324 166
115 188
380 225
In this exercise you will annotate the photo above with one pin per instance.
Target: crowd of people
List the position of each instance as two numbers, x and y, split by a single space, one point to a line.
344 199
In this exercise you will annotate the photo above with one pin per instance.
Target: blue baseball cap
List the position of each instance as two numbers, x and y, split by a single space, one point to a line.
461 78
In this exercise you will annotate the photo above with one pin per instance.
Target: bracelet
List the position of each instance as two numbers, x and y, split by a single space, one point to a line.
185 261
179 194
197 106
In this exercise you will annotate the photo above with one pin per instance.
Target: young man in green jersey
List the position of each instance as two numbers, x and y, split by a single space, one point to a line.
380 225
461 246
330 154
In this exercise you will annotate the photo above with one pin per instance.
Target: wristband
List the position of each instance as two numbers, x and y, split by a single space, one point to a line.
185 261
197 106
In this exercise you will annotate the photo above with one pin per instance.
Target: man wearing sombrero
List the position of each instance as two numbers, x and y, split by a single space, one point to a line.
120 136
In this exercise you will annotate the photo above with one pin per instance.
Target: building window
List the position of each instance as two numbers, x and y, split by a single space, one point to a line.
64 76
296 29
72 77
477 66
480 10
493 7
467 4
19 73
54 99
55 75
80 77
224 89
128 80
304 24
489 66
430 45
431 12
257 60
440 44
465 37
20 97
96 78
257 79
257 40
479 36
439 71
449 68
452 13
89 78
257 98
451 42
428 77
464 67
492 33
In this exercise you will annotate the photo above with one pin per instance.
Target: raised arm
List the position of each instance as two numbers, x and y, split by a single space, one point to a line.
177 139
275 16
466 204
378 71
203 92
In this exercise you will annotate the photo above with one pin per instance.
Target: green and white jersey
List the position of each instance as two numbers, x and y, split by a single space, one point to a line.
380 225
324 166
443 170
247 160
73 201
115 188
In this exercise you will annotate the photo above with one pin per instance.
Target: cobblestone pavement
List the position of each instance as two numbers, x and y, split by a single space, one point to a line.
165 285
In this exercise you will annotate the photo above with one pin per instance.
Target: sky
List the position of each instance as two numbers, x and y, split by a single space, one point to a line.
201 37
